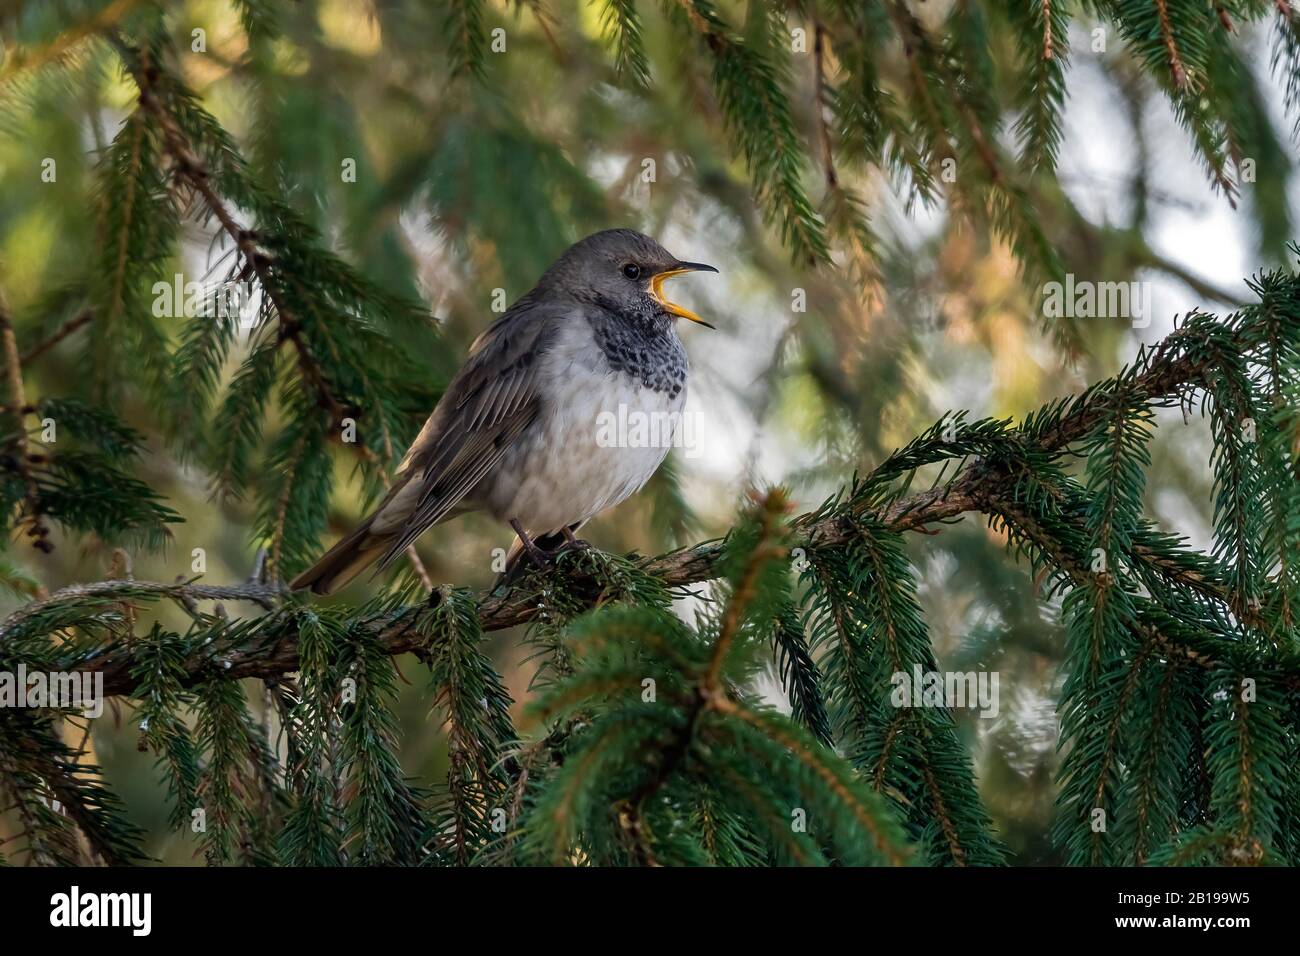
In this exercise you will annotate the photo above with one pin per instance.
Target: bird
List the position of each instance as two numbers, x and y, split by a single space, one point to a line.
517 432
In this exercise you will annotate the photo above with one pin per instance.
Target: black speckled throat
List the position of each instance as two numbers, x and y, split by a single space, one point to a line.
644 346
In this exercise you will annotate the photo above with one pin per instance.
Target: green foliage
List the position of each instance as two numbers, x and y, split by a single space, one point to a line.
1042 32
81 477
313 831
649 738
623 28
865 612
225 788
661 738
385 820
750 88
158 666
470 699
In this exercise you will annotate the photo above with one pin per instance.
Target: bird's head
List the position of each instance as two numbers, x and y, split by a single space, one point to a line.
624 271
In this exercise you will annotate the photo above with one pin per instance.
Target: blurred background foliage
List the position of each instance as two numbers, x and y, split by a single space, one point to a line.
475 168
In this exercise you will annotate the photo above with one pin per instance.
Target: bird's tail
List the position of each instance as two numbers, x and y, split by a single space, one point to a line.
343 562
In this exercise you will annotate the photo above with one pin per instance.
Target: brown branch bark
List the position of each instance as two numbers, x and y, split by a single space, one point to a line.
1176 68
263 594
821 92
16 405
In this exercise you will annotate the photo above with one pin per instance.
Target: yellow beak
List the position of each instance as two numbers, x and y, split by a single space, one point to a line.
657 292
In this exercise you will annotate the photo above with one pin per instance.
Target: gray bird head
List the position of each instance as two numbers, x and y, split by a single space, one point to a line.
622 271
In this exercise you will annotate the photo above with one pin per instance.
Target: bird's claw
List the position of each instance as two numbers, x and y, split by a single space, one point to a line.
539 557
575 544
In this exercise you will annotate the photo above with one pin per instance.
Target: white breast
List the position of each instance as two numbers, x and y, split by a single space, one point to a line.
599 438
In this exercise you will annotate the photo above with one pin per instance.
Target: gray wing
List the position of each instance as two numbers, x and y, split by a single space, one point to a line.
489 403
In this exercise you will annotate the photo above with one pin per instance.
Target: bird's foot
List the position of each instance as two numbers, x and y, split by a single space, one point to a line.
573 543
539 557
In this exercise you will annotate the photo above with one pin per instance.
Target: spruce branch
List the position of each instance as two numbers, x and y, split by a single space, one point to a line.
1152 786
115 591
1184 360
16 407
293 511
657 748
1176 69
622 27
746 591
751 94
885 843
190 168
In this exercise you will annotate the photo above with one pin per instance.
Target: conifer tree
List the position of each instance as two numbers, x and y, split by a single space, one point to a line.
272 719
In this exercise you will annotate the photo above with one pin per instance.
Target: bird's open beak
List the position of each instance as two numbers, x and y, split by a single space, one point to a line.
657 291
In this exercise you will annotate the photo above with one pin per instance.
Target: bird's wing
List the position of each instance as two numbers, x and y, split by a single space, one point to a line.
492 399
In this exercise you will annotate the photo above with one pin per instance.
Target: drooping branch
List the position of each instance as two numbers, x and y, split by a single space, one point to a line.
190 169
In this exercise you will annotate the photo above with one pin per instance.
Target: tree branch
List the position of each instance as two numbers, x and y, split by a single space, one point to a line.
16 405
190 168
263 594
976 487
58 335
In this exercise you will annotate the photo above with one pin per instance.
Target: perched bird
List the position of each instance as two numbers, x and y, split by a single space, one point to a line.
517 432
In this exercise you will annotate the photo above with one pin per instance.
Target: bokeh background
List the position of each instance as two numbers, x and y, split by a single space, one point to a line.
465 186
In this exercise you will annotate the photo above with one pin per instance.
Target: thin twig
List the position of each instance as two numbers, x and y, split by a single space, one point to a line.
59 334
17 407
821 88
1176 68
255 592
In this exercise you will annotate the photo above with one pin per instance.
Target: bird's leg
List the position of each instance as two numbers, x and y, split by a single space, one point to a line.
534 552
574 542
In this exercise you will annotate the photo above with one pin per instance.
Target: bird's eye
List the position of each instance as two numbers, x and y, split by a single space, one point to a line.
632 270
